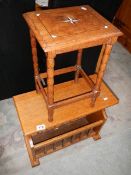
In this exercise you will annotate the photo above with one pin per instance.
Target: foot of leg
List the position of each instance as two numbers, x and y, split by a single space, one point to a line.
97 136
50 114
35 163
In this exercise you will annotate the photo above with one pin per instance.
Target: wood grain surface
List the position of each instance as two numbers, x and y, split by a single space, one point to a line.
54 34
32 110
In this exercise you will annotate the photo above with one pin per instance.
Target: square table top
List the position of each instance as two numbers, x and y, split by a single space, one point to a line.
70 28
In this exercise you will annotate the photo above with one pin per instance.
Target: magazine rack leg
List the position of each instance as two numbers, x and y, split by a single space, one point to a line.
34 161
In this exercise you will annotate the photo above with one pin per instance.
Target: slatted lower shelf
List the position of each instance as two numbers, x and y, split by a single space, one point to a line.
54 139
52 147
43 151
72 123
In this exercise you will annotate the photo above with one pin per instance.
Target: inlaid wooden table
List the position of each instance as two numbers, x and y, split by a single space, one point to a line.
64 30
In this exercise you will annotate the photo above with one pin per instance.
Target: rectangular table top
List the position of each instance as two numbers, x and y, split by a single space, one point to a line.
70 28
32 110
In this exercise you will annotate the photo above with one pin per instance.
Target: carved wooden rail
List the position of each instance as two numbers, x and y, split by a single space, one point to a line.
64 140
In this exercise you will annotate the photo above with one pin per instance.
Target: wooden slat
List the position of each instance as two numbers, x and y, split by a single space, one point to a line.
38 113
41 154
89 31
60 71
88 79
69 134
78 64
42 89
72 99
100 58
50 82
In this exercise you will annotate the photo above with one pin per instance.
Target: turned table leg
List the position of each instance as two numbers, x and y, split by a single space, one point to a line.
101 71
100 58
50 84
35 59
78 65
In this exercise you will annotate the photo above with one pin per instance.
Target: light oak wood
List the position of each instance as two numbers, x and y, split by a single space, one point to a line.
76 116
50 83
32 109
60 71
35 59
35 151
67 29
60 36
87 78
32 156
78 65
103 117
33 112
71 133
41 89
